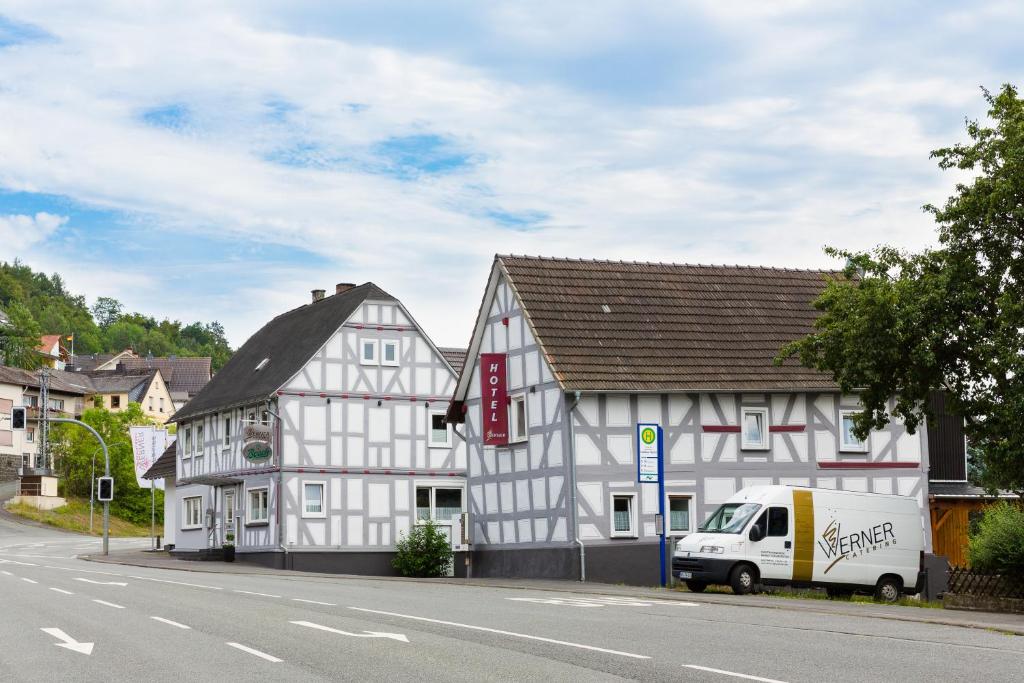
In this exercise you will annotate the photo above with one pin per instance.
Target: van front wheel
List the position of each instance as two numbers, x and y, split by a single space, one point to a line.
742 579
888 589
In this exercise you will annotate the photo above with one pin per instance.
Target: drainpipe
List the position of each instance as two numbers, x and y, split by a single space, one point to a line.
280 485
572 484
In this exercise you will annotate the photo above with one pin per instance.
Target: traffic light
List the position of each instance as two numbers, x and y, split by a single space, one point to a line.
18 418
105 489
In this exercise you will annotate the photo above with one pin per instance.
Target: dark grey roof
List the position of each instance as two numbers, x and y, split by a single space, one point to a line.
119 383
60 380
288 342
958 489
455 357
80 363
164 466
187 375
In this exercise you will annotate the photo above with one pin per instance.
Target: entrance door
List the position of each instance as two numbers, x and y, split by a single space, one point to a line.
230 523
774 552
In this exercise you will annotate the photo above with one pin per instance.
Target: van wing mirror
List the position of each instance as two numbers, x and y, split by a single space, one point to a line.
756 533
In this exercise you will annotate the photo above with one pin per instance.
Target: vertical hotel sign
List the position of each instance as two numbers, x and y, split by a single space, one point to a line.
494 392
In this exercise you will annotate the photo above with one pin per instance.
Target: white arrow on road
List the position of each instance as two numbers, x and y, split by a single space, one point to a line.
365 634
101 583
69 642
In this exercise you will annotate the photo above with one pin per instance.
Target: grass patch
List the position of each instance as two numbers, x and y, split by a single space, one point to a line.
75 517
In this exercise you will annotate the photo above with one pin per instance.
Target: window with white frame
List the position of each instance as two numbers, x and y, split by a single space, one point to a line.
848 441
678 514
186 451
256 509
151 404
30 435
624 515
193 513
517 418
389 352
439 429
755 429
161 405
199 440
265 417
368 352
313 499
227 430
441 504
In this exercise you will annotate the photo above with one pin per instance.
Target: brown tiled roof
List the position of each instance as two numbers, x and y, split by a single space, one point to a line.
610 325
187 375
455 357
60 380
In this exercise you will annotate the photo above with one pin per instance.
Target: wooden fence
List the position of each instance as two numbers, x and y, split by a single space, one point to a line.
966 581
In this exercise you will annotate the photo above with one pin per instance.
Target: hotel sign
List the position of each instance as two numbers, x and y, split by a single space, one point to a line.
257 440
494 393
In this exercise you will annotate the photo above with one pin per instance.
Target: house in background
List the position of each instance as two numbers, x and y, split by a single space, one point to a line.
322 441
115 389
585 350
185 376
53 353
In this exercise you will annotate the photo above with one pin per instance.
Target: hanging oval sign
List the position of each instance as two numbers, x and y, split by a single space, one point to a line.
257 443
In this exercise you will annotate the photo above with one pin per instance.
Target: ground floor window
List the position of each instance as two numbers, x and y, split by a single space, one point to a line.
438 503
313 499
193 517
623 515
678 513
256 510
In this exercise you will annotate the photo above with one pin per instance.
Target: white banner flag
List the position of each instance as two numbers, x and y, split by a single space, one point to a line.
148 444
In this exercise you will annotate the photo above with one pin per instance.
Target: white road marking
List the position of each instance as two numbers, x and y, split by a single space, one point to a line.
600 601
365 634
262 655
732 673
61 590
504 633
101 583
5 572
29 580
109 604
177 583
262 595
315 602
69 642
171 623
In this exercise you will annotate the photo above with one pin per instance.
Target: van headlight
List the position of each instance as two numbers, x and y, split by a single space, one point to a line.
716 549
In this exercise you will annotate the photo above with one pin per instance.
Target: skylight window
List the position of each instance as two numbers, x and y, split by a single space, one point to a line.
262 364
606 308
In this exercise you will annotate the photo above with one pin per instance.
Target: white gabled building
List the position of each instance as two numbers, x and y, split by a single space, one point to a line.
353 394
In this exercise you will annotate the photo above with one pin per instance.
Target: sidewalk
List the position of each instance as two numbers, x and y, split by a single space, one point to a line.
1006 623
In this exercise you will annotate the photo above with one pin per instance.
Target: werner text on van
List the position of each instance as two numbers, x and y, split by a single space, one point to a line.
773 535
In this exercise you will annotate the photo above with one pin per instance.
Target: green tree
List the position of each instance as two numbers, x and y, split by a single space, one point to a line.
425 551
947 319
106 311
19 339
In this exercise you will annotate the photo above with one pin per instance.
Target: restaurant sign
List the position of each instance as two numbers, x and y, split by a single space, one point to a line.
494 393
256 443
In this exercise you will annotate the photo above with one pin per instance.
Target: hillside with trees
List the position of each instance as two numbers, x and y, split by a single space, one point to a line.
38 304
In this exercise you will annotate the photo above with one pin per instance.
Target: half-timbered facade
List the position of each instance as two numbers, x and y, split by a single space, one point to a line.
592 348
350 395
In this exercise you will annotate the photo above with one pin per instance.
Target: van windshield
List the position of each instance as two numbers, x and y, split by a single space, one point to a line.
730 518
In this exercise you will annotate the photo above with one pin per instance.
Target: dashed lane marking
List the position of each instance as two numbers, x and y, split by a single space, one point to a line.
61 590
29 580
262 595
602 601
315 602
511 634
109 604
101 583
5 572
171 623
261 655
177 583
732 673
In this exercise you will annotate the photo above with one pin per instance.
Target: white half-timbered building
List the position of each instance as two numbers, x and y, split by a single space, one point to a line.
588 349
349 393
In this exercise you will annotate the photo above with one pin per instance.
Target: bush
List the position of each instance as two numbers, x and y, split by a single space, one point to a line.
998 545
425 552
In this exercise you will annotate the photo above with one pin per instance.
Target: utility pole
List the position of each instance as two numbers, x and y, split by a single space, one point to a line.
44 418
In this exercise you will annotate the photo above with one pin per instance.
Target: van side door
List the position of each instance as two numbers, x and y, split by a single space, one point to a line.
774 553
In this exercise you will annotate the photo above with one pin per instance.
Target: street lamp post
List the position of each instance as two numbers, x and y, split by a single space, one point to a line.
92 488
106 470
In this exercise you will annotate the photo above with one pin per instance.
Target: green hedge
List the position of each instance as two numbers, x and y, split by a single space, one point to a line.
425 552
998 544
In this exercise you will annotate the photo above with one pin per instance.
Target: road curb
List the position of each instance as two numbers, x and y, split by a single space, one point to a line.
785 604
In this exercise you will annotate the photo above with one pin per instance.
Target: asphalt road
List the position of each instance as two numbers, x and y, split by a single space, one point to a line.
62 618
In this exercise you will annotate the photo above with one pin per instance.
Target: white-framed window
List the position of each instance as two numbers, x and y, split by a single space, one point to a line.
442 504
256 510
161 404
623 509
193 513
439 430
848 441
265 418
30 435
199 440
754 428
227 430
151 404
313 499
57 404
678 514
389 352
369 352
186 450
517 418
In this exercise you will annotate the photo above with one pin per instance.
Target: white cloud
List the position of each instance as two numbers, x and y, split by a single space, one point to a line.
19 231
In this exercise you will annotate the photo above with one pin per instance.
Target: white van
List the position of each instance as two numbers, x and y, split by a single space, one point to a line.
773 535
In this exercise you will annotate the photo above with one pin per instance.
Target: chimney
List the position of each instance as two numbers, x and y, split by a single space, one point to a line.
343 287
318 295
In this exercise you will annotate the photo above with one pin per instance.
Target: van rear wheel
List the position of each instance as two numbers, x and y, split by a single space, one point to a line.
696 586
742 578
888 589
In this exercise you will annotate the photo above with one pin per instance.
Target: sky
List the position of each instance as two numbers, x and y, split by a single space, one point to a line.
205 161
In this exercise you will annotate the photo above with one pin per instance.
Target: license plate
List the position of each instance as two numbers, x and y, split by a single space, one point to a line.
685 575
